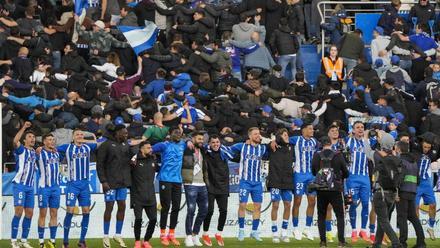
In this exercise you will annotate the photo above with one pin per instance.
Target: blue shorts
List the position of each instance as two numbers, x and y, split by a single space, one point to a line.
277 194
49 197
359 187
116 195
301 181
425 191
253 188
78 190
23 196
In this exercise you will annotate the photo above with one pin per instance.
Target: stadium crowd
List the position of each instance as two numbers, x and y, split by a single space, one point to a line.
224 81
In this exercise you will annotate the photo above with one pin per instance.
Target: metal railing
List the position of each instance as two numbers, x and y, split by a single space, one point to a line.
325 10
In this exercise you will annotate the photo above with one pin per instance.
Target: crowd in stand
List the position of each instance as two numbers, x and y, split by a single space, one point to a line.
218 68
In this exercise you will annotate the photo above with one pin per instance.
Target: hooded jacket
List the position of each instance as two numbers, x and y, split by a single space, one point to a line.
113 163
142 177
255 56
377 45
216 163
364 71
182 83
387 19
243 31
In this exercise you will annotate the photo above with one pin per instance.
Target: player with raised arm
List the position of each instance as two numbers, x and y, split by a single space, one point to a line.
78 182
23 184
49 191
358 181
305 147
251 158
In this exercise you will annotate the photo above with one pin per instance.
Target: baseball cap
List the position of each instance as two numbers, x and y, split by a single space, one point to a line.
379 30
137 118
119 120
399 116
297 122
386 142
267 109
100 24
395 60
395 121
378 63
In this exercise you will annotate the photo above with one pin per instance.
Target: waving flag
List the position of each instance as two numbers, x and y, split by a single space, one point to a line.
80 5
140 38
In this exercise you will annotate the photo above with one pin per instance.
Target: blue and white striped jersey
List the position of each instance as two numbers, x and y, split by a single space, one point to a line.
358 158
49 168
25 165
424 164
304 151
78 160
250 160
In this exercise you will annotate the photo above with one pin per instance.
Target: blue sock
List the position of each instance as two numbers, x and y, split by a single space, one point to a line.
53 232
285 224
26 226
431 222
41 232
84 227
309 220
372 228
119 224
328 225
255 224
364 216
241 222
14 226
274 228
352 212
106 227
295 221
67 224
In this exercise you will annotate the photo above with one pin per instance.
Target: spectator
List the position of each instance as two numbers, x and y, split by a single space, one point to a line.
379 109
123 84
351 48
243 31
110 66
399 75
284 44
379 44
333 66
389 16
432 120
422 13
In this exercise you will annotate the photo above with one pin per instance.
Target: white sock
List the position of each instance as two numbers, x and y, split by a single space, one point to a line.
52 240
363 230
106 236
274 223
13 240
205 233
41 241
24 240
241 229
117 235
219 233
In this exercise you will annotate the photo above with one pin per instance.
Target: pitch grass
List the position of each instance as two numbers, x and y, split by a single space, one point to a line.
229 242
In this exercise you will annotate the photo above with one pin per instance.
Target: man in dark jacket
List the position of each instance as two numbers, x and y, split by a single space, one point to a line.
388 17
284 44
423 12
406 210
142 193
216 162
432 120
114 174
201 27
332 194
280 182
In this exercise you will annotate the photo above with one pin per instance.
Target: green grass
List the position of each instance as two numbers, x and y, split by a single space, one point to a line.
229 242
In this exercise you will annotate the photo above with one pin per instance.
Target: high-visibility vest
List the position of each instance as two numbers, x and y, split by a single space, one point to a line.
331 69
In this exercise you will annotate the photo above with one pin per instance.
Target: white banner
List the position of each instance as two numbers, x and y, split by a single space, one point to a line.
231 229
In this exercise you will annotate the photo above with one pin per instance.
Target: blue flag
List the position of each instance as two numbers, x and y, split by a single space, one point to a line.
80 5
140 38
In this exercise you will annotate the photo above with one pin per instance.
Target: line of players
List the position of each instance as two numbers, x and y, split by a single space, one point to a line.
46 159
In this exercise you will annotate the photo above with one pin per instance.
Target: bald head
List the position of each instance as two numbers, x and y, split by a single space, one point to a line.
255 37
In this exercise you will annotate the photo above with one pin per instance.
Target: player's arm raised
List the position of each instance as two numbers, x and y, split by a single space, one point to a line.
20 133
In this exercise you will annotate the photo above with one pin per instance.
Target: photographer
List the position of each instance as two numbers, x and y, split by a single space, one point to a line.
330 169
406 205
387 172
